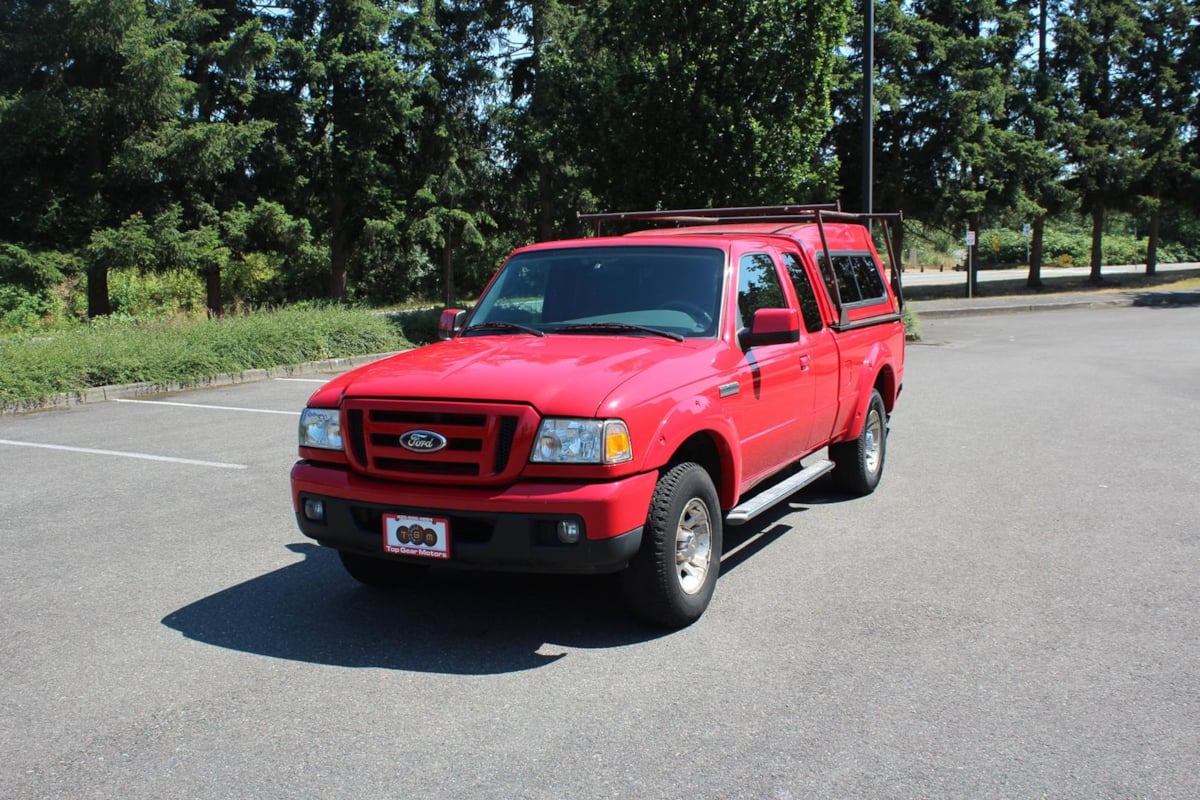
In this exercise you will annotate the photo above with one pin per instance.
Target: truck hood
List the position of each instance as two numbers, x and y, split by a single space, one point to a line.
564 375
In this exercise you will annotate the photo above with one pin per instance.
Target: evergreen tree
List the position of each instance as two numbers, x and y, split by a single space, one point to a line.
1094 46
695 104
86 84
206 154
446 196
542 124
1165 95
343 107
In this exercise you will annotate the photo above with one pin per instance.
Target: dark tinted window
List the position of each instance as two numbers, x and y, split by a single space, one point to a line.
758 286
858 278
866 273
804 293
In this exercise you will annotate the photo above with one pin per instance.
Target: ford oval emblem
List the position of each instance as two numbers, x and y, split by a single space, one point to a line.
422 441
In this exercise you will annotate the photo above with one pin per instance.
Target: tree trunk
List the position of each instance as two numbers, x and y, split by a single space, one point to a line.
1152 244
1034 281
97 291
1097 241
545 226
448 271
338 258
339 240
212 291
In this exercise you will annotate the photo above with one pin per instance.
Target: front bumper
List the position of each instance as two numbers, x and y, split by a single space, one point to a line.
506 528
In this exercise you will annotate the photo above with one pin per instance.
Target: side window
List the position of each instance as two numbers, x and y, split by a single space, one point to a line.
866 273
857 276
758 287
804 293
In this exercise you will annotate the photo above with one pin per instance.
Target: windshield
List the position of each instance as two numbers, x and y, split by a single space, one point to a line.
613 289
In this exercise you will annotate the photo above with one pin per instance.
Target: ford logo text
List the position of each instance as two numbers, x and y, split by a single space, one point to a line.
422 441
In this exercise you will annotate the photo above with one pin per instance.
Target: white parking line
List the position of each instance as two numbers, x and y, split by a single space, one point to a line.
302 380
216 408
121 454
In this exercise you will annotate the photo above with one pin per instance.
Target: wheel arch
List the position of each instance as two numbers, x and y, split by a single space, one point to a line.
878 374
704 438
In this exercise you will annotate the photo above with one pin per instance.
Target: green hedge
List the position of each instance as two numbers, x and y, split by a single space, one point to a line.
117 350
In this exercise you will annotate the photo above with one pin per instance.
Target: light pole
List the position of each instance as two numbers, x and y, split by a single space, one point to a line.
868 95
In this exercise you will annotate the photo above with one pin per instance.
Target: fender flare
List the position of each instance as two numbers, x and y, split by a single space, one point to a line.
878 370
699 415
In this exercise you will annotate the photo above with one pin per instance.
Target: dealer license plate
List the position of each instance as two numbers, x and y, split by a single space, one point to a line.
425 537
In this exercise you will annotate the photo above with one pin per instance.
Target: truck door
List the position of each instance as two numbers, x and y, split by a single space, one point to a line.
818 353
770 379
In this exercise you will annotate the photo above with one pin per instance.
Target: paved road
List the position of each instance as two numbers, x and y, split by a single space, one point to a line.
929 277
1014 613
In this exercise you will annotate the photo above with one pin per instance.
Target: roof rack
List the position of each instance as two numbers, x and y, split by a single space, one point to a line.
696 216
818 213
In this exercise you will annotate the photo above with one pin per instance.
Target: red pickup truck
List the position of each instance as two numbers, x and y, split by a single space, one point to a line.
611 403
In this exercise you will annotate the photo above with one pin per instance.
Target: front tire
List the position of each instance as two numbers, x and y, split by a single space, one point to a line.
671 579
859 464
380 573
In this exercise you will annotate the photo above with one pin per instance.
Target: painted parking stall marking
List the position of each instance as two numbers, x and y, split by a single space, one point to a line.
210 407
123 454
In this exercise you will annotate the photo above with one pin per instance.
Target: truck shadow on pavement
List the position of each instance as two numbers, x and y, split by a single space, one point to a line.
462 623
453 622
743 542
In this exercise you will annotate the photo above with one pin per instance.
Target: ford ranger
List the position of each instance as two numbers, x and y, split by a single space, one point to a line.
612 402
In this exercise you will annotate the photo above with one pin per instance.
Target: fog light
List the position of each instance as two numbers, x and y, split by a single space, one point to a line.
314 510
568 531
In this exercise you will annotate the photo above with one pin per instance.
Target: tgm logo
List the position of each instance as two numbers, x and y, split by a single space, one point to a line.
422 441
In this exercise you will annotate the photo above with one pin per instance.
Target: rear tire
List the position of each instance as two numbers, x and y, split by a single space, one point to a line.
380 573
671 579
859 464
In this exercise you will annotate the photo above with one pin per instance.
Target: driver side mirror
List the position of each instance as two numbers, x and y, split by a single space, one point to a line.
450 323
771 326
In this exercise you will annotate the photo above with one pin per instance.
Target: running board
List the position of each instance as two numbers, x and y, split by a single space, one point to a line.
781 491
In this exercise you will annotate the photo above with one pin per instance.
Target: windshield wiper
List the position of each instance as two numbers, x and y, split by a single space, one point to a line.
618 326
504 326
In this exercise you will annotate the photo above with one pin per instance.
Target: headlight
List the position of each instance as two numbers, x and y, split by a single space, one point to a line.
582 441
321 427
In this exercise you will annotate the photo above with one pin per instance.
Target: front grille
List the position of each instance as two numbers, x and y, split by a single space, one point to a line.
481 439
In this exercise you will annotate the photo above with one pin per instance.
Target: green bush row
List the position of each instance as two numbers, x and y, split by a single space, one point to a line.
119 350
1065 249
1062 245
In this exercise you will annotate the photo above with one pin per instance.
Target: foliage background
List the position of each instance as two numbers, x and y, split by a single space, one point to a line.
171 158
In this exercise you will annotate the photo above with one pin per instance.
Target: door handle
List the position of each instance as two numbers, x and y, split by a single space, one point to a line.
805 363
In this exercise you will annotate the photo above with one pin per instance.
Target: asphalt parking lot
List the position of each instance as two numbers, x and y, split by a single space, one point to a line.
1014 613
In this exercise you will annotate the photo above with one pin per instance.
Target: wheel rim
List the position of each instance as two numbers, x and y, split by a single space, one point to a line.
693 546
873 442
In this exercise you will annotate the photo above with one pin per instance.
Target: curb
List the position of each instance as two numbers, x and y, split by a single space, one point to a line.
103 394
928 310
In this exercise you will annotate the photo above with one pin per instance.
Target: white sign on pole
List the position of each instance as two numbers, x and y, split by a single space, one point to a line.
970 238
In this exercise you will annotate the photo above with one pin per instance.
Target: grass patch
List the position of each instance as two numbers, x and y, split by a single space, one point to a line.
912 324
115 351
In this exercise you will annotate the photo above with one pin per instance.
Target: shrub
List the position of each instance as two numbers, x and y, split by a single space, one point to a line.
24 311
155 295
120 349
912 324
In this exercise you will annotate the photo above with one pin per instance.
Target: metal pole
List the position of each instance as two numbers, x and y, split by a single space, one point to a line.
868 104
